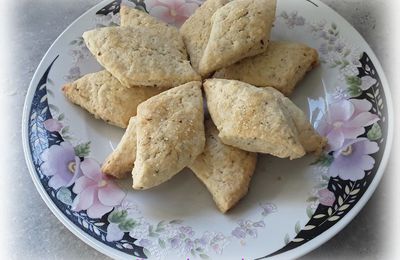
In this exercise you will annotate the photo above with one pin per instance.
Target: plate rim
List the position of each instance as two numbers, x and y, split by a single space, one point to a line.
339 226
294 253
86 238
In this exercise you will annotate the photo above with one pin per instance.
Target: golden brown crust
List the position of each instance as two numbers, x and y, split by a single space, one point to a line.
226 171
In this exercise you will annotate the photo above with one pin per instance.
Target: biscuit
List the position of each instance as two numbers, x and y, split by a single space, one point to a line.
282 66
309 138
135 17
196 30
226 171
252 119
120 162
103 96
239 29
170 134
142 56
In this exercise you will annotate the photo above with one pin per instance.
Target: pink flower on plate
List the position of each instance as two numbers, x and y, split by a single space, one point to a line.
346 119
326 197
174 12
352 159
52 125
96 192
61 164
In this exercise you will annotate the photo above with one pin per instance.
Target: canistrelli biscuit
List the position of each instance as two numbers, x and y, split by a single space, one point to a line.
170 134
226 171
106 98
282 66
142 56
252 119
196 30
152 86
134 17
93 90
239 29
120 162
309 138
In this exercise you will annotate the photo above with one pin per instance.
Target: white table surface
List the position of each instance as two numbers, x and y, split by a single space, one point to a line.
30 231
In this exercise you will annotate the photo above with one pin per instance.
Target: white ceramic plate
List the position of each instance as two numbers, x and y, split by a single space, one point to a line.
292 206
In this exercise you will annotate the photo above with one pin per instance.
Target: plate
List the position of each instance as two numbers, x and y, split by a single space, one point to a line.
292 206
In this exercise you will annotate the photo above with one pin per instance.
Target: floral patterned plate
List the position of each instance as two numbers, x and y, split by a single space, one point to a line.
292 206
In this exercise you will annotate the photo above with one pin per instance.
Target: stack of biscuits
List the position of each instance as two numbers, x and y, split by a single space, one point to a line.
156 79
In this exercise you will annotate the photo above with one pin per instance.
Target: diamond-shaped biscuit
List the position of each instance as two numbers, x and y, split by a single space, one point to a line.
120 162
142 56
252 119
226 171
309 138
103 96
134 17
282 66
170 134
196 30
239 29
